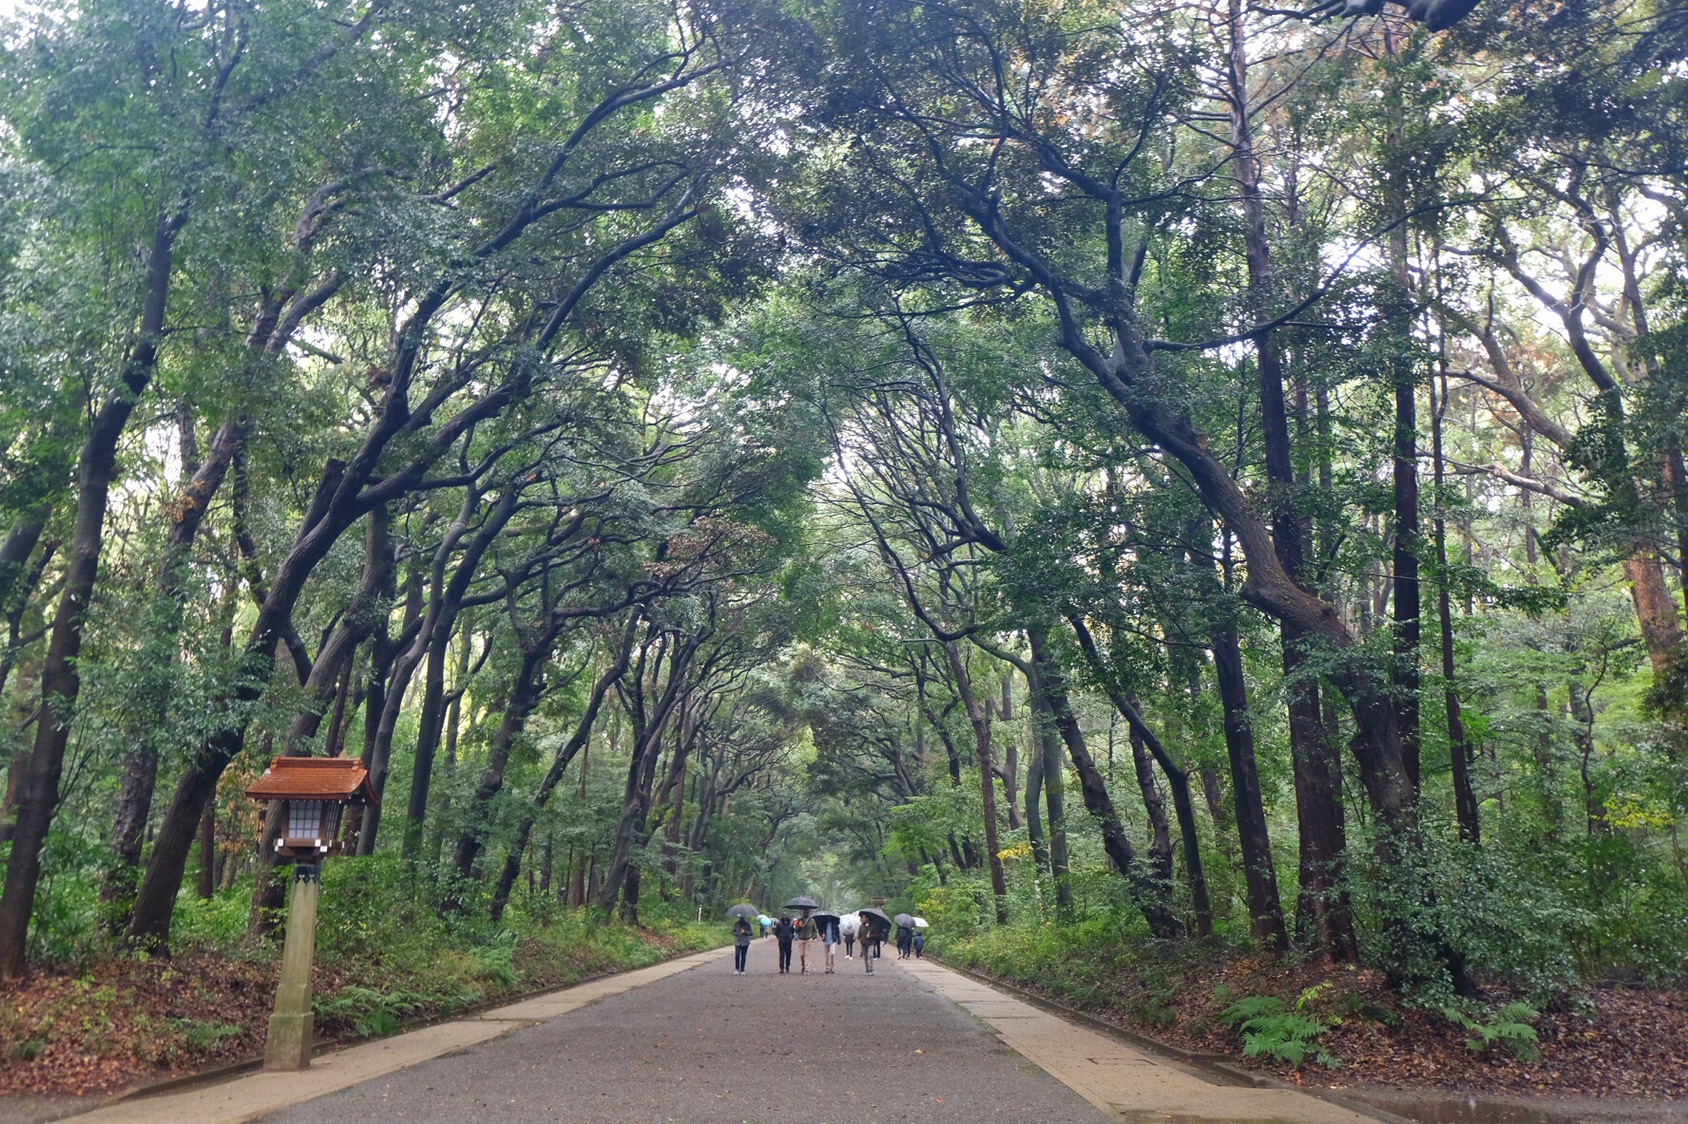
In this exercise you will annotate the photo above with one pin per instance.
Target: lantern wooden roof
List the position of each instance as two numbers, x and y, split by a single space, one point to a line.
340 779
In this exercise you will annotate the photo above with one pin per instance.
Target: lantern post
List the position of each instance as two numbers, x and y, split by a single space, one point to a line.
311 792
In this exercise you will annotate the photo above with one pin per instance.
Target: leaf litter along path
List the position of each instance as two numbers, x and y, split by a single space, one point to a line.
690 1041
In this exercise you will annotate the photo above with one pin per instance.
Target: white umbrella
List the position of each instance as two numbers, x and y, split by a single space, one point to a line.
850 925
921 923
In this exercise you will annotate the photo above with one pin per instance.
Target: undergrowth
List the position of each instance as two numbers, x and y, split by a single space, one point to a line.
388 954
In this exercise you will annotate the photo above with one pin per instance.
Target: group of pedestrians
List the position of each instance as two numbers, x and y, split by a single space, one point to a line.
804 930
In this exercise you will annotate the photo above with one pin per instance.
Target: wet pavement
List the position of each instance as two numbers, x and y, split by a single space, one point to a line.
709 1046
691 1041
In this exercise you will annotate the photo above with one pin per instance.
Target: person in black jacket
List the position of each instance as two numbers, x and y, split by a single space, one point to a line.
870 936
741 944
784 931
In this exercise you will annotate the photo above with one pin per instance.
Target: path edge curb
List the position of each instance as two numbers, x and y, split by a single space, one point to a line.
230 1070
1215 1064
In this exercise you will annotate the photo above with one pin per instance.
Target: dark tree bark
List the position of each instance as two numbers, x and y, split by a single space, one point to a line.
1115 842
1178 780
1317 774
368 608
1034 795
1265 908
525 694
444 605
39 773
1398 312
1160 829
1460 752
207 852
666 652
987 780
384 651
559 764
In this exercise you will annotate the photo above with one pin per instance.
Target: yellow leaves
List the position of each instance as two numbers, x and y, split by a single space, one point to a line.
1626 812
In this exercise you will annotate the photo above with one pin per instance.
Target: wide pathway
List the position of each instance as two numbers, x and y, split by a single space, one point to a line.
690 1041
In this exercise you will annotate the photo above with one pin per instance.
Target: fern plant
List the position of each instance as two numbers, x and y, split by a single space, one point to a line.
1270 1029
372 1013
1510 1027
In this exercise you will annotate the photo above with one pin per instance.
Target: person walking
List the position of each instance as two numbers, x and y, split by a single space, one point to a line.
919 945
784 930
806 932
868 934
849 942
905 940
829 938
741 944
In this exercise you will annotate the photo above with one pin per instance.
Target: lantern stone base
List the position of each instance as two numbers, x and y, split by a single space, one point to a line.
288 1045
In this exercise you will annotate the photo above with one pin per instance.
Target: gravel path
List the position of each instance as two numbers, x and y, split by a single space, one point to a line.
707 1046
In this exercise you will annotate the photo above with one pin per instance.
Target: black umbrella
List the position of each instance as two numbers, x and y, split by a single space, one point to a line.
876 920
905 921
822 918
744 910
802 903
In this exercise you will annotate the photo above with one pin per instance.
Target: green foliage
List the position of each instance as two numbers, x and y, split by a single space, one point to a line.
1269 1028
65 925
204 1035
1509 1026
371 1013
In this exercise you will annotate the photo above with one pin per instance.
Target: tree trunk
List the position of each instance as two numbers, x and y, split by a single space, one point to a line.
446 602
1160 838
207 852
524 697
1034 794
576 744
368 608
1315 771
1265 908
1178 780
1115 842
987 781
1460 753
38 787
160 655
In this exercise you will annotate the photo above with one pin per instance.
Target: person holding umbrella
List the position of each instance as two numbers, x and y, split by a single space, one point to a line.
806 932
741 944
742 932
805 928
828 925
784 931
874 927
905 935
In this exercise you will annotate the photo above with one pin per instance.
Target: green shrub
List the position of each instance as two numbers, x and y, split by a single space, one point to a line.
204 1035
1509 1026
371 1012
1270 1029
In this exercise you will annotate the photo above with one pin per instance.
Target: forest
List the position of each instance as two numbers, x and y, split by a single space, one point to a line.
1130 478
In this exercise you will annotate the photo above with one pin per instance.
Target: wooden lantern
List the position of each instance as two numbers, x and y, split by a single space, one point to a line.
312 791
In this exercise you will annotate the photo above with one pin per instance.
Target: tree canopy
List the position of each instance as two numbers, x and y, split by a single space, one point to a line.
696 453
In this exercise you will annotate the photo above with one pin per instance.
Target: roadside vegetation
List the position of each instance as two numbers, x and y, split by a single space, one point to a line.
386 961
1189 498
